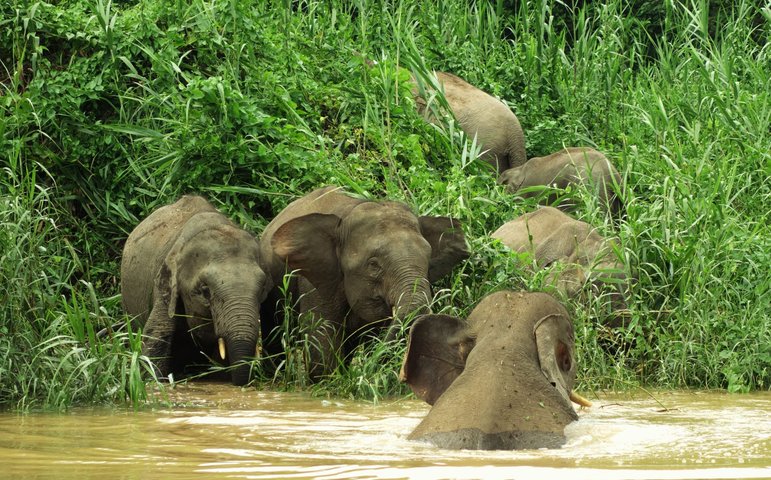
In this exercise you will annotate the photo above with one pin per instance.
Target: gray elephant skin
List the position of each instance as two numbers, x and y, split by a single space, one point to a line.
575 166
554 237
479 114
360 264
501 380
194 281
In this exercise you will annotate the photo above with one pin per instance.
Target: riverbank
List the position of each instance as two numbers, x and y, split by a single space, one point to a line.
110 110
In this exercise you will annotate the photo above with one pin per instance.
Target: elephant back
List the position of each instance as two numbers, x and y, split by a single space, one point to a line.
146 248
524 233
573 166
485 117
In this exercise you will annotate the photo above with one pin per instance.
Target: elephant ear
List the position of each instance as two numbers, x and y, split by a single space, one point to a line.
436 355
309 244
165 292
554 344
448 245
560 244
159 329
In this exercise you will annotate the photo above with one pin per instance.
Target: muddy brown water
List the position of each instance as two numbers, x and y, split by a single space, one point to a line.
220 431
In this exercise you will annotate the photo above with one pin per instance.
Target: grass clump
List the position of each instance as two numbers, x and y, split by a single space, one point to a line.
109 110
50 356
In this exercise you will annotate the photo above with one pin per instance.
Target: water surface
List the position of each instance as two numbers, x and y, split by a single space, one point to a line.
221 431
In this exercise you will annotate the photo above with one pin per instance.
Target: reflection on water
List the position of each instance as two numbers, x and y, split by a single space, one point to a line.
226 432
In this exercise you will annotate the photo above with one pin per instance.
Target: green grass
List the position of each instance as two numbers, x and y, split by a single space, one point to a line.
50 355
109 110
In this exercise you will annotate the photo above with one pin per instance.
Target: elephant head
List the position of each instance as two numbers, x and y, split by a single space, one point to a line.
208 282
379 256
576 166
581 259
370 262
501 380
578 256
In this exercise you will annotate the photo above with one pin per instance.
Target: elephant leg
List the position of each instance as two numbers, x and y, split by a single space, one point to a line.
156 345
323 345
321 323
157 339
272 315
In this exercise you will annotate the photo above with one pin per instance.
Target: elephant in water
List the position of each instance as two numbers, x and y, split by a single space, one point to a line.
580 166
194 281
361 264
501 380
479 114
553 237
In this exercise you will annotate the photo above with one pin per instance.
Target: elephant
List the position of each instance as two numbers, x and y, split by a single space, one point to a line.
479 114
362 264
554 237
570 166
500 380
194 281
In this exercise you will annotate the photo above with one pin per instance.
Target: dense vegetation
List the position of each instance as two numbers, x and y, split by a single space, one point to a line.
109 110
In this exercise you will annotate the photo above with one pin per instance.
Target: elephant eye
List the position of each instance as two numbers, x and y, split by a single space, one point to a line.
204 290
373 267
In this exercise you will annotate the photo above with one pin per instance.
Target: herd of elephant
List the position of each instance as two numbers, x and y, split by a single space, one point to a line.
500 379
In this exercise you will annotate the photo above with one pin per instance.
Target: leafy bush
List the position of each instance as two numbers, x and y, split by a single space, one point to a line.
111 109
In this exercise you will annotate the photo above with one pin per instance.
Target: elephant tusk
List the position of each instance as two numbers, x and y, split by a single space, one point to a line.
258 351
221 343
578 399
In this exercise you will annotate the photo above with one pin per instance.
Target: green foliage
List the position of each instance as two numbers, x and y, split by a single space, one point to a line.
50 355
371 372
111 109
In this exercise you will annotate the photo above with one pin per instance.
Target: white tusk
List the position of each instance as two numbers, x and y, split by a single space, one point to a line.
576 398
221 343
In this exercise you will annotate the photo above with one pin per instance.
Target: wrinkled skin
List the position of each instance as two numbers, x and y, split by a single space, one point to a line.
479 114
583 256
360 262
189 276
580 166
501 380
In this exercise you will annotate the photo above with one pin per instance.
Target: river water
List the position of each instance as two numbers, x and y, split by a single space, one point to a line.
220 431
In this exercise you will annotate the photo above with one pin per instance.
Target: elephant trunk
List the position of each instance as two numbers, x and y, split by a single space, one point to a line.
240 351
237 325
410 297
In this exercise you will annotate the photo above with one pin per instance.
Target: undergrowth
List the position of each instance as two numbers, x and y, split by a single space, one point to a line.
109 110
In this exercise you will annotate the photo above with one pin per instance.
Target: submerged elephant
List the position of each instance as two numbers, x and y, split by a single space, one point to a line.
553 237
479 114
361 263
194 281
580 166
501 380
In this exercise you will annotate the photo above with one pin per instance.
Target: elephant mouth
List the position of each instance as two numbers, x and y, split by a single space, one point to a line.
372 309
